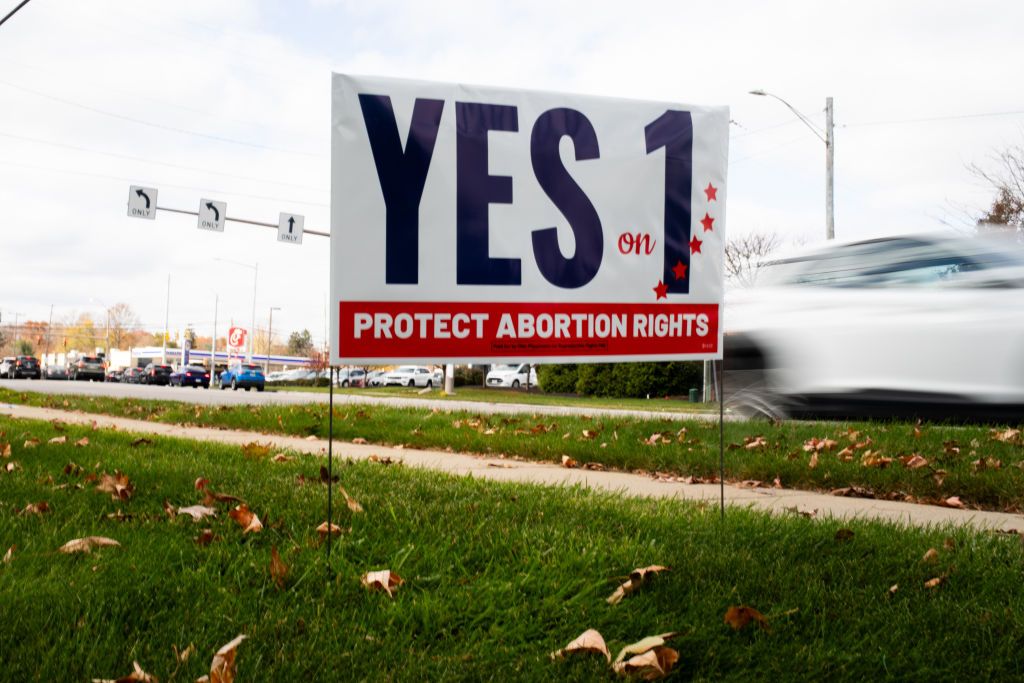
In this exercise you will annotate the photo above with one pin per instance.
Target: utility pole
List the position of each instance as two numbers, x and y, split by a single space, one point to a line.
252 332
830 227
213 344
270 337
167 318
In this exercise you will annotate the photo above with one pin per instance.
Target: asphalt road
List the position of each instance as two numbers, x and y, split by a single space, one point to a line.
240 397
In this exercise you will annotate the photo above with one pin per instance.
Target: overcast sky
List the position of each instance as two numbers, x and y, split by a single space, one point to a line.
230 100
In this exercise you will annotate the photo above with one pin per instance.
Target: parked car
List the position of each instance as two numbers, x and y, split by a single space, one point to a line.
374 378
350 377
114 375
190 376
276 376
409 376
512 376
155 373
6 364
132 376
243 376
87 368
23 366
55 372
918 325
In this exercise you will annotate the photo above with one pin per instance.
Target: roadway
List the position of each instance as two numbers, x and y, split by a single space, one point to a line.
240 397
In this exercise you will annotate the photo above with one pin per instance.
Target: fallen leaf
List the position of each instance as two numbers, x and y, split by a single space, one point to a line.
205 537
1006 436
142 441
119 516
853 492
278 569
844 535
846 455
738 617
935 583
589 434
351 502
569 462
386 460
85 545
183 656
751 443
9 554
210 497
255 450
650 666
197 512
246 519
813 462
31 443
874 459
201 483
117 485
312 437
953 502
987 464
5 450
11 466
35 508
385 580
588 641
222 668
281 457
931 556
58 440
137 674
949 544
322 530
636 578
83 442
359 441
914 462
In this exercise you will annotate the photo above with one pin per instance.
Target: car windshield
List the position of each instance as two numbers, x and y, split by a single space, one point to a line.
251 367
89 359
504 368
406 369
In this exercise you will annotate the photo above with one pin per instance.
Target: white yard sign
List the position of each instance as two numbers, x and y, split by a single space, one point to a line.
483 224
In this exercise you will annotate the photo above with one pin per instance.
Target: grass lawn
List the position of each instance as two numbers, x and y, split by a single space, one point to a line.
496 577
982 467
656 404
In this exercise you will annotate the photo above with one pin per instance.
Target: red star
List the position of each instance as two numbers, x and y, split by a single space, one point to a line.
712 192
695 245
661 290
707 222
679 270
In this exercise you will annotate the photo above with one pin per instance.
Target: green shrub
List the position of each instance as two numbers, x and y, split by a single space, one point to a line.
468 377
625 380
557 379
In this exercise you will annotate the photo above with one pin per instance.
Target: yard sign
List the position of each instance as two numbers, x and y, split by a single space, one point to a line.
473 224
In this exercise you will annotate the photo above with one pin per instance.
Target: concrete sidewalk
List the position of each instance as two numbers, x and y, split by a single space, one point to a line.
779 501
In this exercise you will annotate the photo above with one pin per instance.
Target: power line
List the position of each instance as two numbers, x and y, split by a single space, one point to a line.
158 163
141 122
178 187
930 119
11 13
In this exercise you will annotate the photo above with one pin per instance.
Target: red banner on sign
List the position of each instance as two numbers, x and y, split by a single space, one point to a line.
430 330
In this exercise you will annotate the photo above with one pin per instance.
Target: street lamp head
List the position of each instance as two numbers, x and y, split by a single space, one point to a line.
760 92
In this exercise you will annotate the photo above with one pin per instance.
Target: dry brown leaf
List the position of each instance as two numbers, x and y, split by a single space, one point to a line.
222 668
278 569
953 502
893 588
5 450
931 556
987 464
36 508
85 545
652 665
281 457
875 459
11 466
201 483
205 537
913 462
385 580
9 554
312 437
853 492
589 434
117 485
322 530
31 443
197 512
352 503
137 674
752 443
246 519
83 442
58 440
935 583
183 656
813 462
636 578
569 462
141 441
844 534
949 544
255 450
588 641
738 617
846 455
1006 435
359 441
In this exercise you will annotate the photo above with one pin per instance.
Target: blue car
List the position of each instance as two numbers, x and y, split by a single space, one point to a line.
243 376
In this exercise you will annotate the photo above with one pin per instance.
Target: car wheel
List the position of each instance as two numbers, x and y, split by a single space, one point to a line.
412 383
515 384
259 388
344 383
248 388
430 383
745 386
223 387
234 384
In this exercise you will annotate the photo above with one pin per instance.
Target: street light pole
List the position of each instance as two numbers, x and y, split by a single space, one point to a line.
827 138
270 337
213 344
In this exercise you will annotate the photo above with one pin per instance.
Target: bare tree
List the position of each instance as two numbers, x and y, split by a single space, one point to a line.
1006 214
745 255
123 325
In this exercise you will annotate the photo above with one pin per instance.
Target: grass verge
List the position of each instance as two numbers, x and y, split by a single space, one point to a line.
970 466
497 576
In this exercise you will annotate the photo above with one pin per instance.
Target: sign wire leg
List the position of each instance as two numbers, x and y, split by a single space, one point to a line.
721 433
330 468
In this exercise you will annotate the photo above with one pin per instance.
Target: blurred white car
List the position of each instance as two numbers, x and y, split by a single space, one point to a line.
919 325
409 376
512 376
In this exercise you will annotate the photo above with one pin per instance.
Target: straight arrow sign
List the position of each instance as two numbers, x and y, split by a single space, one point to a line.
289 228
